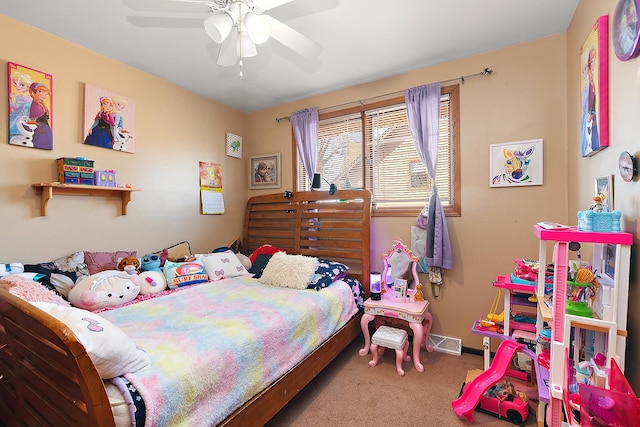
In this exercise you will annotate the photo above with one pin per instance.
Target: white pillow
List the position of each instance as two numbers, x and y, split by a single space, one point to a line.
111 350
221 265
289 271
11 268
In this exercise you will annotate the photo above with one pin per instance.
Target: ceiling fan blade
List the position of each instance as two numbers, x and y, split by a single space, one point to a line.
292 39
270 4
172 6
164 22
228 54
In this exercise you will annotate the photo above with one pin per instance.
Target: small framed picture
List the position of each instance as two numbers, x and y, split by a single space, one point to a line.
265 171
604 189
234 145
515 164
609 261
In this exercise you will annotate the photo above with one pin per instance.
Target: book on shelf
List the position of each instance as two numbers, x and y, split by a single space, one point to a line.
550 225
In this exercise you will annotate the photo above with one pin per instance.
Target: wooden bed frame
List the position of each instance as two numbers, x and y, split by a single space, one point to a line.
47 378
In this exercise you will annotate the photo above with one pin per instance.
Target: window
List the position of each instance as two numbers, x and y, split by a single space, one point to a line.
371 147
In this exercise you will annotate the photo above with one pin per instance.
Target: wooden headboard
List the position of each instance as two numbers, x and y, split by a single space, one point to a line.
314 223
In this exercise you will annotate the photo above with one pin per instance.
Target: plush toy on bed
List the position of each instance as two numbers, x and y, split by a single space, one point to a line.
152 278
109 288
130 265
150 262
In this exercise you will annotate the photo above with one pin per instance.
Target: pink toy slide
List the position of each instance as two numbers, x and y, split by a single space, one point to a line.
474 390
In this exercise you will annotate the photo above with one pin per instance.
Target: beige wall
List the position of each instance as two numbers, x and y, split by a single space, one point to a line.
534 93
523 99
175 129
624 110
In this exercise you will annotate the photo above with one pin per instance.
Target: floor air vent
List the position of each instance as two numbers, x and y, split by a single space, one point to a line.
446 344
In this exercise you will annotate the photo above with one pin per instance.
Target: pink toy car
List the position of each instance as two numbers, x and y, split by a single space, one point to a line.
505 405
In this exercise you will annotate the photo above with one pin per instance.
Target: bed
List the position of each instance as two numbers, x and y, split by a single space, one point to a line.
47 377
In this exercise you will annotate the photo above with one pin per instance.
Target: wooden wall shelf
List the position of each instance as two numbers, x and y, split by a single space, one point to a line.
47 190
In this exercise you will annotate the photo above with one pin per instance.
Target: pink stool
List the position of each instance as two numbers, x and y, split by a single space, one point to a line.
389 337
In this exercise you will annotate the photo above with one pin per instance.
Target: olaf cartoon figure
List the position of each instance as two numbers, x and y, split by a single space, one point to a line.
26 129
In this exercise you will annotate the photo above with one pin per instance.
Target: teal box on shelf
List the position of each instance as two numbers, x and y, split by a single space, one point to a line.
105 178
599 221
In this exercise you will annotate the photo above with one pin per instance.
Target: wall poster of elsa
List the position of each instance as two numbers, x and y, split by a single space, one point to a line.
109 119
594 126
30 113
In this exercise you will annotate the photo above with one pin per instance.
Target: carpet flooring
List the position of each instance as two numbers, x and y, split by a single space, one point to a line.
350 393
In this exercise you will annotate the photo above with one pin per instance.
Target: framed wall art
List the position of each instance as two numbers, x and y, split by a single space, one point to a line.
109 120
265 171
514 164
625 29
233 145
594 125
30 107
604 187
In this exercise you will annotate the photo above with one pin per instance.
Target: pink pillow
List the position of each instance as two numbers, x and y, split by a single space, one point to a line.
29 290
101 261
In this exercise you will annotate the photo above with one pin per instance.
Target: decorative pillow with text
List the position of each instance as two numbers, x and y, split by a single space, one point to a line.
184 273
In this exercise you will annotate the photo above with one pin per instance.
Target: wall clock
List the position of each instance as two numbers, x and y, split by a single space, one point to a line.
627 166
626 29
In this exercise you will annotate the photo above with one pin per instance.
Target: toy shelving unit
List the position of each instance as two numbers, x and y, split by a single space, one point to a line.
610 317
512 329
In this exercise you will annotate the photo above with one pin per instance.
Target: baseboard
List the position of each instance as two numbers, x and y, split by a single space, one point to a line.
476 351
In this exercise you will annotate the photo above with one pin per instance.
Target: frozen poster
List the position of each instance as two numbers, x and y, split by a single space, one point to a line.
109 120
30 113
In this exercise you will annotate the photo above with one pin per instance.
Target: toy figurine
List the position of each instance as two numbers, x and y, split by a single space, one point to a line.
598 205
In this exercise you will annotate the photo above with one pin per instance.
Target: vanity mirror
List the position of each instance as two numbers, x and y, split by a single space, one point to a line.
400 276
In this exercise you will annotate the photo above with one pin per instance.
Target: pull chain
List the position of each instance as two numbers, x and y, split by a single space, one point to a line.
240 28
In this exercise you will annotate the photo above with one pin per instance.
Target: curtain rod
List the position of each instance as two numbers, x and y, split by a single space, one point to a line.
485 72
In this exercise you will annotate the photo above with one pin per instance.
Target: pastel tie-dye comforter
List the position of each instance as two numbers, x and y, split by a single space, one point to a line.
215 345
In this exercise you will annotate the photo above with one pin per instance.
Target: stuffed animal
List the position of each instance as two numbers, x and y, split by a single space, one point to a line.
150 262
152 282
164 256
130 265
109 288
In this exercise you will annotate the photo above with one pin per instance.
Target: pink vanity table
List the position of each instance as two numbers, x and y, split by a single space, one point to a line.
416 314
404 309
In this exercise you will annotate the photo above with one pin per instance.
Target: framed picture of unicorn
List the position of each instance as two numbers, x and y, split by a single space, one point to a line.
514 164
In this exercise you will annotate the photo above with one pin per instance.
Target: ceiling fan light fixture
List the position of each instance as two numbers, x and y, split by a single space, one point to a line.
218 26
246 46
258 28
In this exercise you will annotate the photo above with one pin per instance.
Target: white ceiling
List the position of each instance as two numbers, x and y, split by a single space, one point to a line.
362 40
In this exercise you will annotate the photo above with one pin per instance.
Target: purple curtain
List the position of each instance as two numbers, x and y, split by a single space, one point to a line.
423 112
305 132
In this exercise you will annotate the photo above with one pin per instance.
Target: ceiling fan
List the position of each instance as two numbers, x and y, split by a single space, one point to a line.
239 25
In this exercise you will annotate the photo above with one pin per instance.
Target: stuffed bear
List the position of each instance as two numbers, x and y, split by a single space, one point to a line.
109 288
